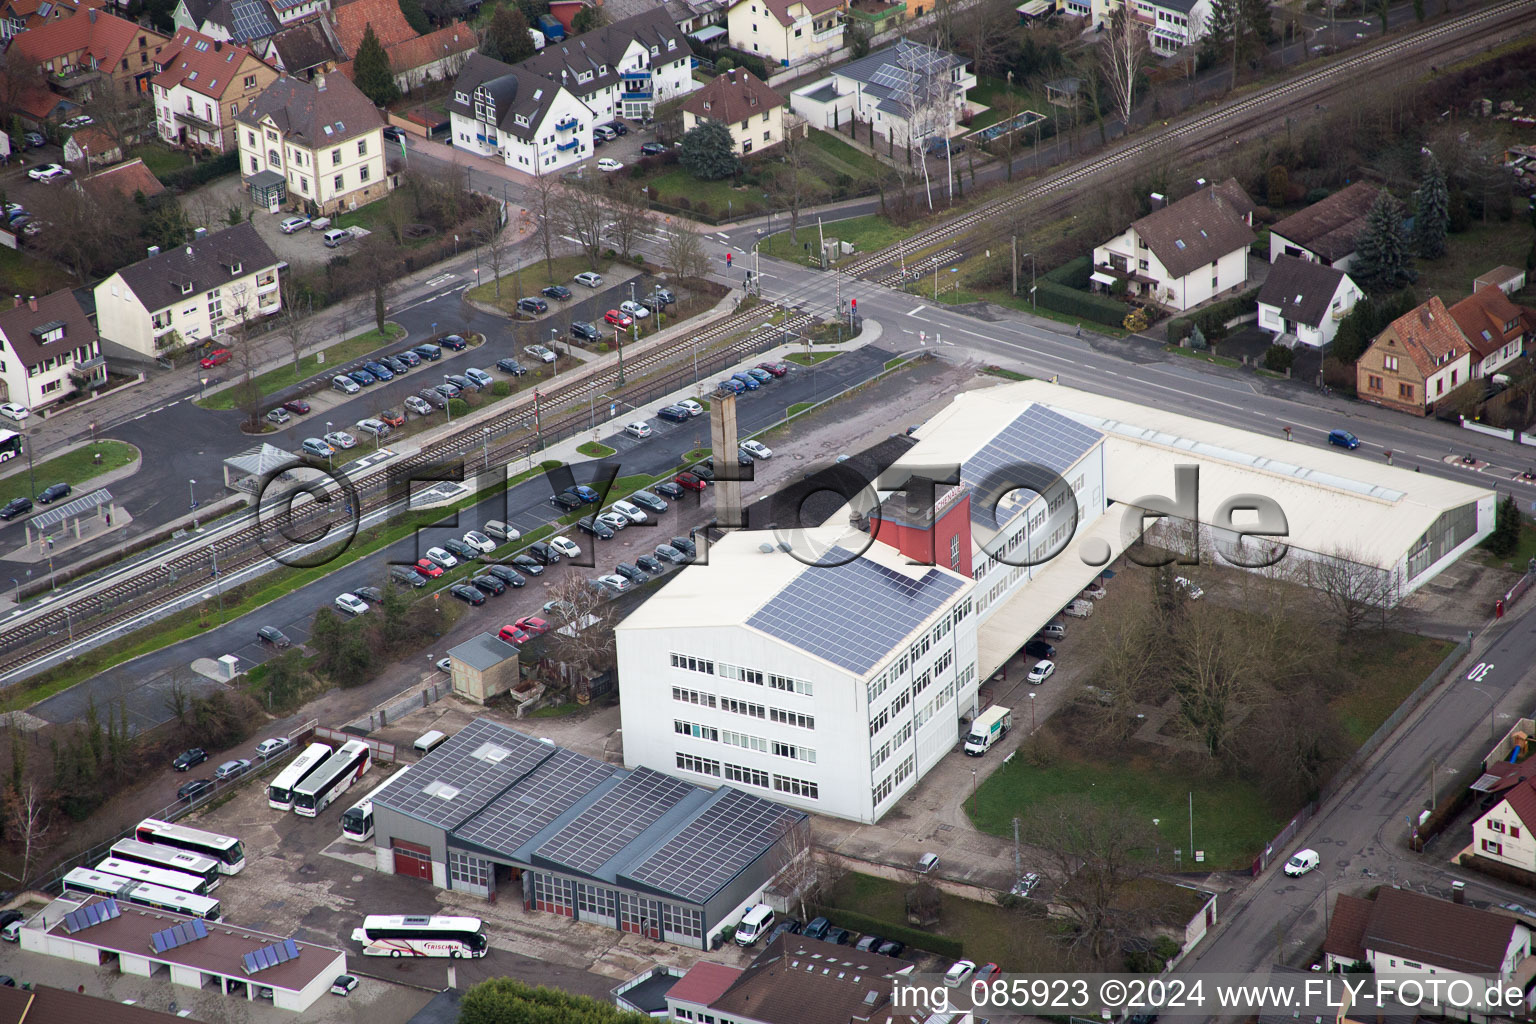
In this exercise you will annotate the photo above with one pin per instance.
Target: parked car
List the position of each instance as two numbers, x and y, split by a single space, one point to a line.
1039 649
556 291
340 440
1191 590
447 389
479 378
960 973
465 552
614 582
433 398
231 768
188 758
511 366
454 342
49 173
788 926
759 374
603 133
615 521
431 353
379 370
194 789
685 545
649 564
468 594
1304 861
589 279
566 546
540 353
479 542
362 377
839 936
607 165
891 948
53 493
391 134
757 449
441 557
34 140
396 365
275 745
566 502
618 319
407 575
530 565
596 527
927 862
1095 591
417 405
630 572
274 636
409 357
674 413
1042 671
668 553
639 428
461 382
542 552
587 494
378 428
513 636
15 507
346 385
690 481
488 584
746 380
218 357
986 972
351 604
297 406
668 489
630 512
508 575
663 297
732 385
867 943
428 568
652 149
345 983
634 309
694 408
585 331
817 929
532 625
705 470
14 411
774 369
1052 631
501 531
647 500
392 418
529 304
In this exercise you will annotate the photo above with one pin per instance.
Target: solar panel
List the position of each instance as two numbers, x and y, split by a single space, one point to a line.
853 615
550 790
292 949
252 20
1037 437
614 820
199 929
477 764
248 961
715 846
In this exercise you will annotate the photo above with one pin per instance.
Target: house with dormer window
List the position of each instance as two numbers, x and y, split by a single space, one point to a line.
48 349
526 120
89 51
1413 365
189 293
623 69
786 32
1494 326
200 85
738 99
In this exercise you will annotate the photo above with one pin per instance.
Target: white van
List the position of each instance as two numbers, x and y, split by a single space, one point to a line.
755 923
429 741
1079 609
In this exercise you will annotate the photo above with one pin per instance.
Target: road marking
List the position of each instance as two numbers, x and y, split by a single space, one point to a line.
918 310
723 237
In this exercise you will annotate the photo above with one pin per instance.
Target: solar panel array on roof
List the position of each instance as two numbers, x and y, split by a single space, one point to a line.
252 20
95 913
269 956
614 820
179 935
854 614
1037 437
465 773
550 790
718 844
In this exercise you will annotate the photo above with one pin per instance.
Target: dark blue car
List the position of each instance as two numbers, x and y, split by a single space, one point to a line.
734 386
1343 438
380 371
363 377
746 380
585 493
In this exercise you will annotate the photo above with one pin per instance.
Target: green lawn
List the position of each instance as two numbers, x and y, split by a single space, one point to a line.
24 274
812 359
528 279
832 156
1388 668
160 159
1523 553
867 234
714 198
74 468
1233 819
991 93
284 376
1475 251
593 450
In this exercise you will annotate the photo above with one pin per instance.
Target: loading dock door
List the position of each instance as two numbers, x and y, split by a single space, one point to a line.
412 859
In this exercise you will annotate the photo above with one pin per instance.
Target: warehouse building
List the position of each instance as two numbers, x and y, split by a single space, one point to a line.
493 811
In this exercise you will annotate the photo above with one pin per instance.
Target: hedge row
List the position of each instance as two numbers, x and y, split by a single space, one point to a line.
1061 299
1213 319
201 173
914 937
1074 273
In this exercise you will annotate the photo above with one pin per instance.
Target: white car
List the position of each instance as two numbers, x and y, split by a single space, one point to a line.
48 172
340 439
957 975
1096 591
378 428
480 542
638 429
1191 591
351 604
1304 861
608 164
634 309
343 984
616 520
617 584
589 279
266 748
12 411
441 557
1042 671
756 449
540 353
694 408
567 547
292 224
631 512
78 121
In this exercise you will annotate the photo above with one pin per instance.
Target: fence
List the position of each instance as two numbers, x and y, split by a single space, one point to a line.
1283 838
378 750
382 717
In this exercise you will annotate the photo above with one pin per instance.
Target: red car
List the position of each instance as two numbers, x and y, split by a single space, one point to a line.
393 418
298 406
532 625
513 635
217 357
429 568
777 369
618 319
986 972
689 481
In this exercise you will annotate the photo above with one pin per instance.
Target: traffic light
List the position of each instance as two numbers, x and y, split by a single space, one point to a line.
727 259
853 304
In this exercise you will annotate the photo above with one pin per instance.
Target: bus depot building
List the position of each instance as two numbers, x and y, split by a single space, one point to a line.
630 849
187 951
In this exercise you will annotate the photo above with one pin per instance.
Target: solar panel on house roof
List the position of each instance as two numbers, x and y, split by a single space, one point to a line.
474 765
1037 437
550 790
853 614
251 20
713 848
612 822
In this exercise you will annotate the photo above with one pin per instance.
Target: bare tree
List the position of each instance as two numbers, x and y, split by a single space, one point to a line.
580 214
792 186
1356 592
294 321
797 876
1122 54
375 266
543 196
28 822
630 216
984 34
495 246
83 233
122 115
247 393
583 638
685 251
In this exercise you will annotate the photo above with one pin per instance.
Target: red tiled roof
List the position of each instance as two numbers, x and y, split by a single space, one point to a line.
445 42
352 20
28 9
732 97
200 63
96 34
38 104
1482 316
704 983
57 1006
124 180
780 8
1522 800
1429 334
1437 932
1346 929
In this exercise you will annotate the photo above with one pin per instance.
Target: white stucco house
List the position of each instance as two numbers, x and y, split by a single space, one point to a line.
786 32
752 112
48 349
524 119
1302 302
908 91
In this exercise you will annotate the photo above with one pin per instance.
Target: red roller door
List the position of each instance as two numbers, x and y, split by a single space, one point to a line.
412 859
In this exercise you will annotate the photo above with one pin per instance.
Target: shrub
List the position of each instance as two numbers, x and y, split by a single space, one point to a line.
683 203
458 407
1278 358
723 65
1136 320
184 178
501 389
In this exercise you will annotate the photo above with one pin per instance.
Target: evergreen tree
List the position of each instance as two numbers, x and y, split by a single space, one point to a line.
415 16
371 73
507 38
1433 217
1382 260
708 152
1507 525
587 19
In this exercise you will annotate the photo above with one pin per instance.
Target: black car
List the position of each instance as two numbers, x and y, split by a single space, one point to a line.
675 413
891 947
16 507
396 364
556 291
867 943
652 149
648 501
405 574
454 342
461 382
529 564
431 353
703 472
466 593
649 564
617 127
53 493
532 305
508 575
194 789
373 594
187 758
511 366
1039 649
602 531
408 357
543 553
273 636
394 134
581 330
838 936
818 928
668 489
786 927
668 553
663 297
433 397
685 545
458 547
488 583
630 572
10 917
566 502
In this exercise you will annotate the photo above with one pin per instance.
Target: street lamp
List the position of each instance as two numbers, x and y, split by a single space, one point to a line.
1031 711
192 492
17 584
485 437
618 342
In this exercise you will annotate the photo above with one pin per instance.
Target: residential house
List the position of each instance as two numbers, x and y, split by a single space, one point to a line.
203 83
91 147
786 32
18 16
293 12
739 100
189 293
1183 254
1405 935
1305 301
318 145
909 91
797 980
528 121
414 59
48 349
42 106
623 69
1507 832
1172 24
1327 230
1508 279
1420 358
190 13
248 23
1494 326
77 54
123 182
303 50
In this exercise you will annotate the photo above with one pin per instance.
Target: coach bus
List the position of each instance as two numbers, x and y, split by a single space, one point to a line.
280 792
357 820
166 878
10 445
227 850
332 779
132 850
83 880
421 936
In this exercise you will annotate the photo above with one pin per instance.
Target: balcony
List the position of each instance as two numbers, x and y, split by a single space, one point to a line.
162 330
268 308
565 124
635 76
190 119
567 145
876 14
266 287
636 94
827 34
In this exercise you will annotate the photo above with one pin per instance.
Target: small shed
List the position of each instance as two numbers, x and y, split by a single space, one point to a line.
482 667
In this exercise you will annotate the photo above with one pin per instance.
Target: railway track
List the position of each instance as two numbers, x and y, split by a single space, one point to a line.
1191 136
150 584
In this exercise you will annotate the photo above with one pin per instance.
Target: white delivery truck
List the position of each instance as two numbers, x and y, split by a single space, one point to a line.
989 727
